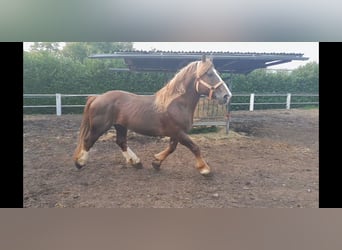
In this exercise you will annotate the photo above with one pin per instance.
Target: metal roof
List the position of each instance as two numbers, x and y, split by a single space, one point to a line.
225 62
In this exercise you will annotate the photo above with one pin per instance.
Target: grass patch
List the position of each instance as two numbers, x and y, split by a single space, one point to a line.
308 107
203 129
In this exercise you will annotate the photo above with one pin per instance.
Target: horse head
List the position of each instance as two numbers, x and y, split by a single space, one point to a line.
209 82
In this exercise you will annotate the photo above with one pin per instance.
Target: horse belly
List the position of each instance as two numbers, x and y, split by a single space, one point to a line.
145 125
137 113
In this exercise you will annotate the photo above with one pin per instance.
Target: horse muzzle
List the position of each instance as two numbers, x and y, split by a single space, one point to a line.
223 100
222 95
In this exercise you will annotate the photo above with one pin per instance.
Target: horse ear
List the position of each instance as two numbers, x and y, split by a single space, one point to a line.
203 58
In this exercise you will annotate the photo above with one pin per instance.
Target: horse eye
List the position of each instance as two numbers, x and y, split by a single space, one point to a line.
210 74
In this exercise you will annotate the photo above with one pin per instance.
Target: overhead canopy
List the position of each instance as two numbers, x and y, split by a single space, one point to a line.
225 62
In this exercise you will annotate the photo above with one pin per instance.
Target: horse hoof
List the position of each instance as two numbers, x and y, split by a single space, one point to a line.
138 165
205 172
78 166
156 165
208 175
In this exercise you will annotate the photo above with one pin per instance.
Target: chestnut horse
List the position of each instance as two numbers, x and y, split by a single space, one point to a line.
169 112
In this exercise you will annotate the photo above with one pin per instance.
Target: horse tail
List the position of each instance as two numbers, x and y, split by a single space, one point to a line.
84 128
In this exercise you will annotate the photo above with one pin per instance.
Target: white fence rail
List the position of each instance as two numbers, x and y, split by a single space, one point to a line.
287 103
252 100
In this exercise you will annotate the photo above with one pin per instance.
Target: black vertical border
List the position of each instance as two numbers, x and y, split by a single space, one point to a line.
12 125
330 54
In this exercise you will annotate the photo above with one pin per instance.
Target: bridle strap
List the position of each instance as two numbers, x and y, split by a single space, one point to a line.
210 87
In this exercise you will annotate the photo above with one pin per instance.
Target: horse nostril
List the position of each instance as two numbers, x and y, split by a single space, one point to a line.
225 98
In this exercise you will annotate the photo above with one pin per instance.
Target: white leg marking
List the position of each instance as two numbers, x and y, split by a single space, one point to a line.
130 156
205 171
84 157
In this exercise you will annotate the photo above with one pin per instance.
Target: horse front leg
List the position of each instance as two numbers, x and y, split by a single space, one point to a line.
160 157
121 140
201 165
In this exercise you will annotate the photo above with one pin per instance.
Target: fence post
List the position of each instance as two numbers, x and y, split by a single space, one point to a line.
251 102
58 104
288 101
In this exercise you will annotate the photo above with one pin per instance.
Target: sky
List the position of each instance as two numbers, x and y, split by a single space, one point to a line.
309 49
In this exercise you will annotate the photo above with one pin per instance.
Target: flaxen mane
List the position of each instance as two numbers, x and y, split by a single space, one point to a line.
176 86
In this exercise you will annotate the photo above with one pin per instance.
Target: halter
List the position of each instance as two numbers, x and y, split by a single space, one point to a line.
210 87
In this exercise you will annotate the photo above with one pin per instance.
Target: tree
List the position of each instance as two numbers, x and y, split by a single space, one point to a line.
46 46
80 51
305 78
76 51
107 47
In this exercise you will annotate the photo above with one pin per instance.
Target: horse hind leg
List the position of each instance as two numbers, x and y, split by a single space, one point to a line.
160 157
121 140
81 159
87 144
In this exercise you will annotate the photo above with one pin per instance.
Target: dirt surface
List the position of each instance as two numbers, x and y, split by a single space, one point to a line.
268 159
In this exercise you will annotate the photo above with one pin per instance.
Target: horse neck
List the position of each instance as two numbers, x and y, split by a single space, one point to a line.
190 97
182 88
